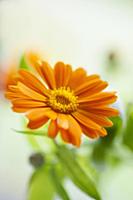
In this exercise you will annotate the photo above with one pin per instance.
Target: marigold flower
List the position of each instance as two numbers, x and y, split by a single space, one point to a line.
73 101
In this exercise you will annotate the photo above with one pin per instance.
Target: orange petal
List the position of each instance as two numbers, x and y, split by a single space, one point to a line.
47 74
34 124
85 121
52 129
59 72
78 77
89 123
62 121
89 132
28 103
92 77
19 109
31 93
62 74
68 73
40 112
102 121
103 111
13 96
93 133
33 58
100 99
86 86
13 92
65 136
32 82
96 89
23 105
13 88
74 131
102 132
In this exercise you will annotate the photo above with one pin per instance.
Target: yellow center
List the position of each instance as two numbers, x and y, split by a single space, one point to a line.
63 100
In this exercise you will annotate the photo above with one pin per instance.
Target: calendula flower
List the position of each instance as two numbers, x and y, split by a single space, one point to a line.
72 101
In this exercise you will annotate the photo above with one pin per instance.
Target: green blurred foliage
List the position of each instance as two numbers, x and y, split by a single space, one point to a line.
76 173
40 186
58 184
112 62
23 64
103 145
63 163
128 131
47 180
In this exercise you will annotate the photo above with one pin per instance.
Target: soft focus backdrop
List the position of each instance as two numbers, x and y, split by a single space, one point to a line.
97 35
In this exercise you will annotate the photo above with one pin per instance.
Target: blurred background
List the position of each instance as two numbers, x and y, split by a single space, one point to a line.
97 35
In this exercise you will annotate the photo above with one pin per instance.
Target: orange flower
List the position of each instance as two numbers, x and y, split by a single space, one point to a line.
6 77
2 80
73 101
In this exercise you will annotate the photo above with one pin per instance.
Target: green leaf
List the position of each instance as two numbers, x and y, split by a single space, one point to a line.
31 137
76 173
40 187
113 131
23 64
35 133
58 185
102 146
128 131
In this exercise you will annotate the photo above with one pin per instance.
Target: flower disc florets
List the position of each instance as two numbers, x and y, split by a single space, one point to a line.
63 100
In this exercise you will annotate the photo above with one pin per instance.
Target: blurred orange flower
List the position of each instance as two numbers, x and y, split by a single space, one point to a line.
73 101
2 80
6 77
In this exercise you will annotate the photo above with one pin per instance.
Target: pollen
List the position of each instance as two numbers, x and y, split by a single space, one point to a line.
63 100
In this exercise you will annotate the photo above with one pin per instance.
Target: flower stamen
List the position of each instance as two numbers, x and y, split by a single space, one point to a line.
63 100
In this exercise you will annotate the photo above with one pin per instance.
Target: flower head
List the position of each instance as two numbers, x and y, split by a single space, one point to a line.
72 101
